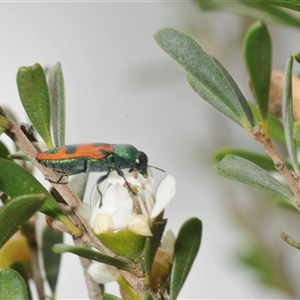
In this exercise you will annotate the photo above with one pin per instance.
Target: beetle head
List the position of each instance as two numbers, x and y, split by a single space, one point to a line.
141 163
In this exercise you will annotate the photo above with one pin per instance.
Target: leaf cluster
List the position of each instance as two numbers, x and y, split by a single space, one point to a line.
214 84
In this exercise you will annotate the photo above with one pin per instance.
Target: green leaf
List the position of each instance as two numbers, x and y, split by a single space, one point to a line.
265 261
123 243
257 53
199 88
119 263
148 297
244 171
57 103
207 76
286 205
110 297
16 214
276 129
51 259
26 183
297 57
291 4
296 132
287 116
291 241
264 161
186 249
275 125
20 268
4 153
33 91
151 246
12 286
4 124
254 9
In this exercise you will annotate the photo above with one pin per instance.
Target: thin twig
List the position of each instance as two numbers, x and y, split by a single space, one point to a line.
279 163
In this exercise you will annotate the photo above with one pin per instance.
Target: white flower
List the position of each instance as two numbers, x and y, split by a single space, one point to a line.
121 209
103 273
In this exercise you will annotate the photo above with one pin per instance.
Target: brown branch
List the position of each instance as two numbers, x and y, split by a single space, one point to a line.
292 181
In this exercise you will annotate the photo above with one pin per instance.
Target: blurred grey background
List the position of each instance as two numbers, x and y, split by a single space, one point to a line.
122 88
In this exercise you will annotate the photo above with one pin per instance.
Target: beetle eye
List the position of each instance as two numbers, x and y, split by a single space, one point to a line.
141 162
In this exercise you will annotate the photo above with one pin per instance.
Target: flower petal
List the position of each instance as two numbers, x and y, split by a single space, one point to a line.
139 224
124 206
168 243
116 202
165 192
102 273
103 224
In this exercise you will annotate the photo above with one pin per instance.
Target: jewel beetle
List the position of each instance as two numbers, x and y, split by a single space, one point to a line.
97 157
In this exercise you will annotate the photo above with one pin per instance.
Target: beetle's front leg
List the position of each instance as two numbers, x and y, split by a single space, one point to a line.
98 189
59 181
120 173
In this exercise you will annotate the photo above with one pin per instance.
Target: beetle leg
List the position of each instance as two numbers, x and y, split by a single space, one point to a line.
98 189
59 180
120 173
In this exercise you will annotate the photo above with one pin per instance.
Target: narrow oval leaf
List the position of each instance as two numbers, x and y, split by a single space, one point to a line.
4 153
258 57
291 4
20 268
275 125
151 246
148 297
287 116
258 10
186 249
244 171
264 161
16 213
25 183
215 84
211 98
291 241
121 264
51 259
124 243
297 57
276 129
4 124
110 297
33 91
12 286
296 133
57 103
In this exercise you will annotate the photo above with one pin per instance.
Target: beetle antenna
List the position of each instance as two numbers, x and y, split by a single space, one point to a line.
157 168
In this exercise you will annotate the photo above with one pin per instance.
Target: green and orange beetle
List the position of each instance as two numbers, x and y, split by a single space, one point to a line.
98 157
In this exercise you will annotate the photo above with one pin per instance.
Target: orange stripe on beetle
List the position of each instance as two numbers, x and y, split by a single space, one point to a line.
91 151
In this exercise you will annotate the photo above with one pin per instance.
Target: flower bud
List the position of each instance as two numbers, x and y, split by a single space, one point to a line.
15 249
276 94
